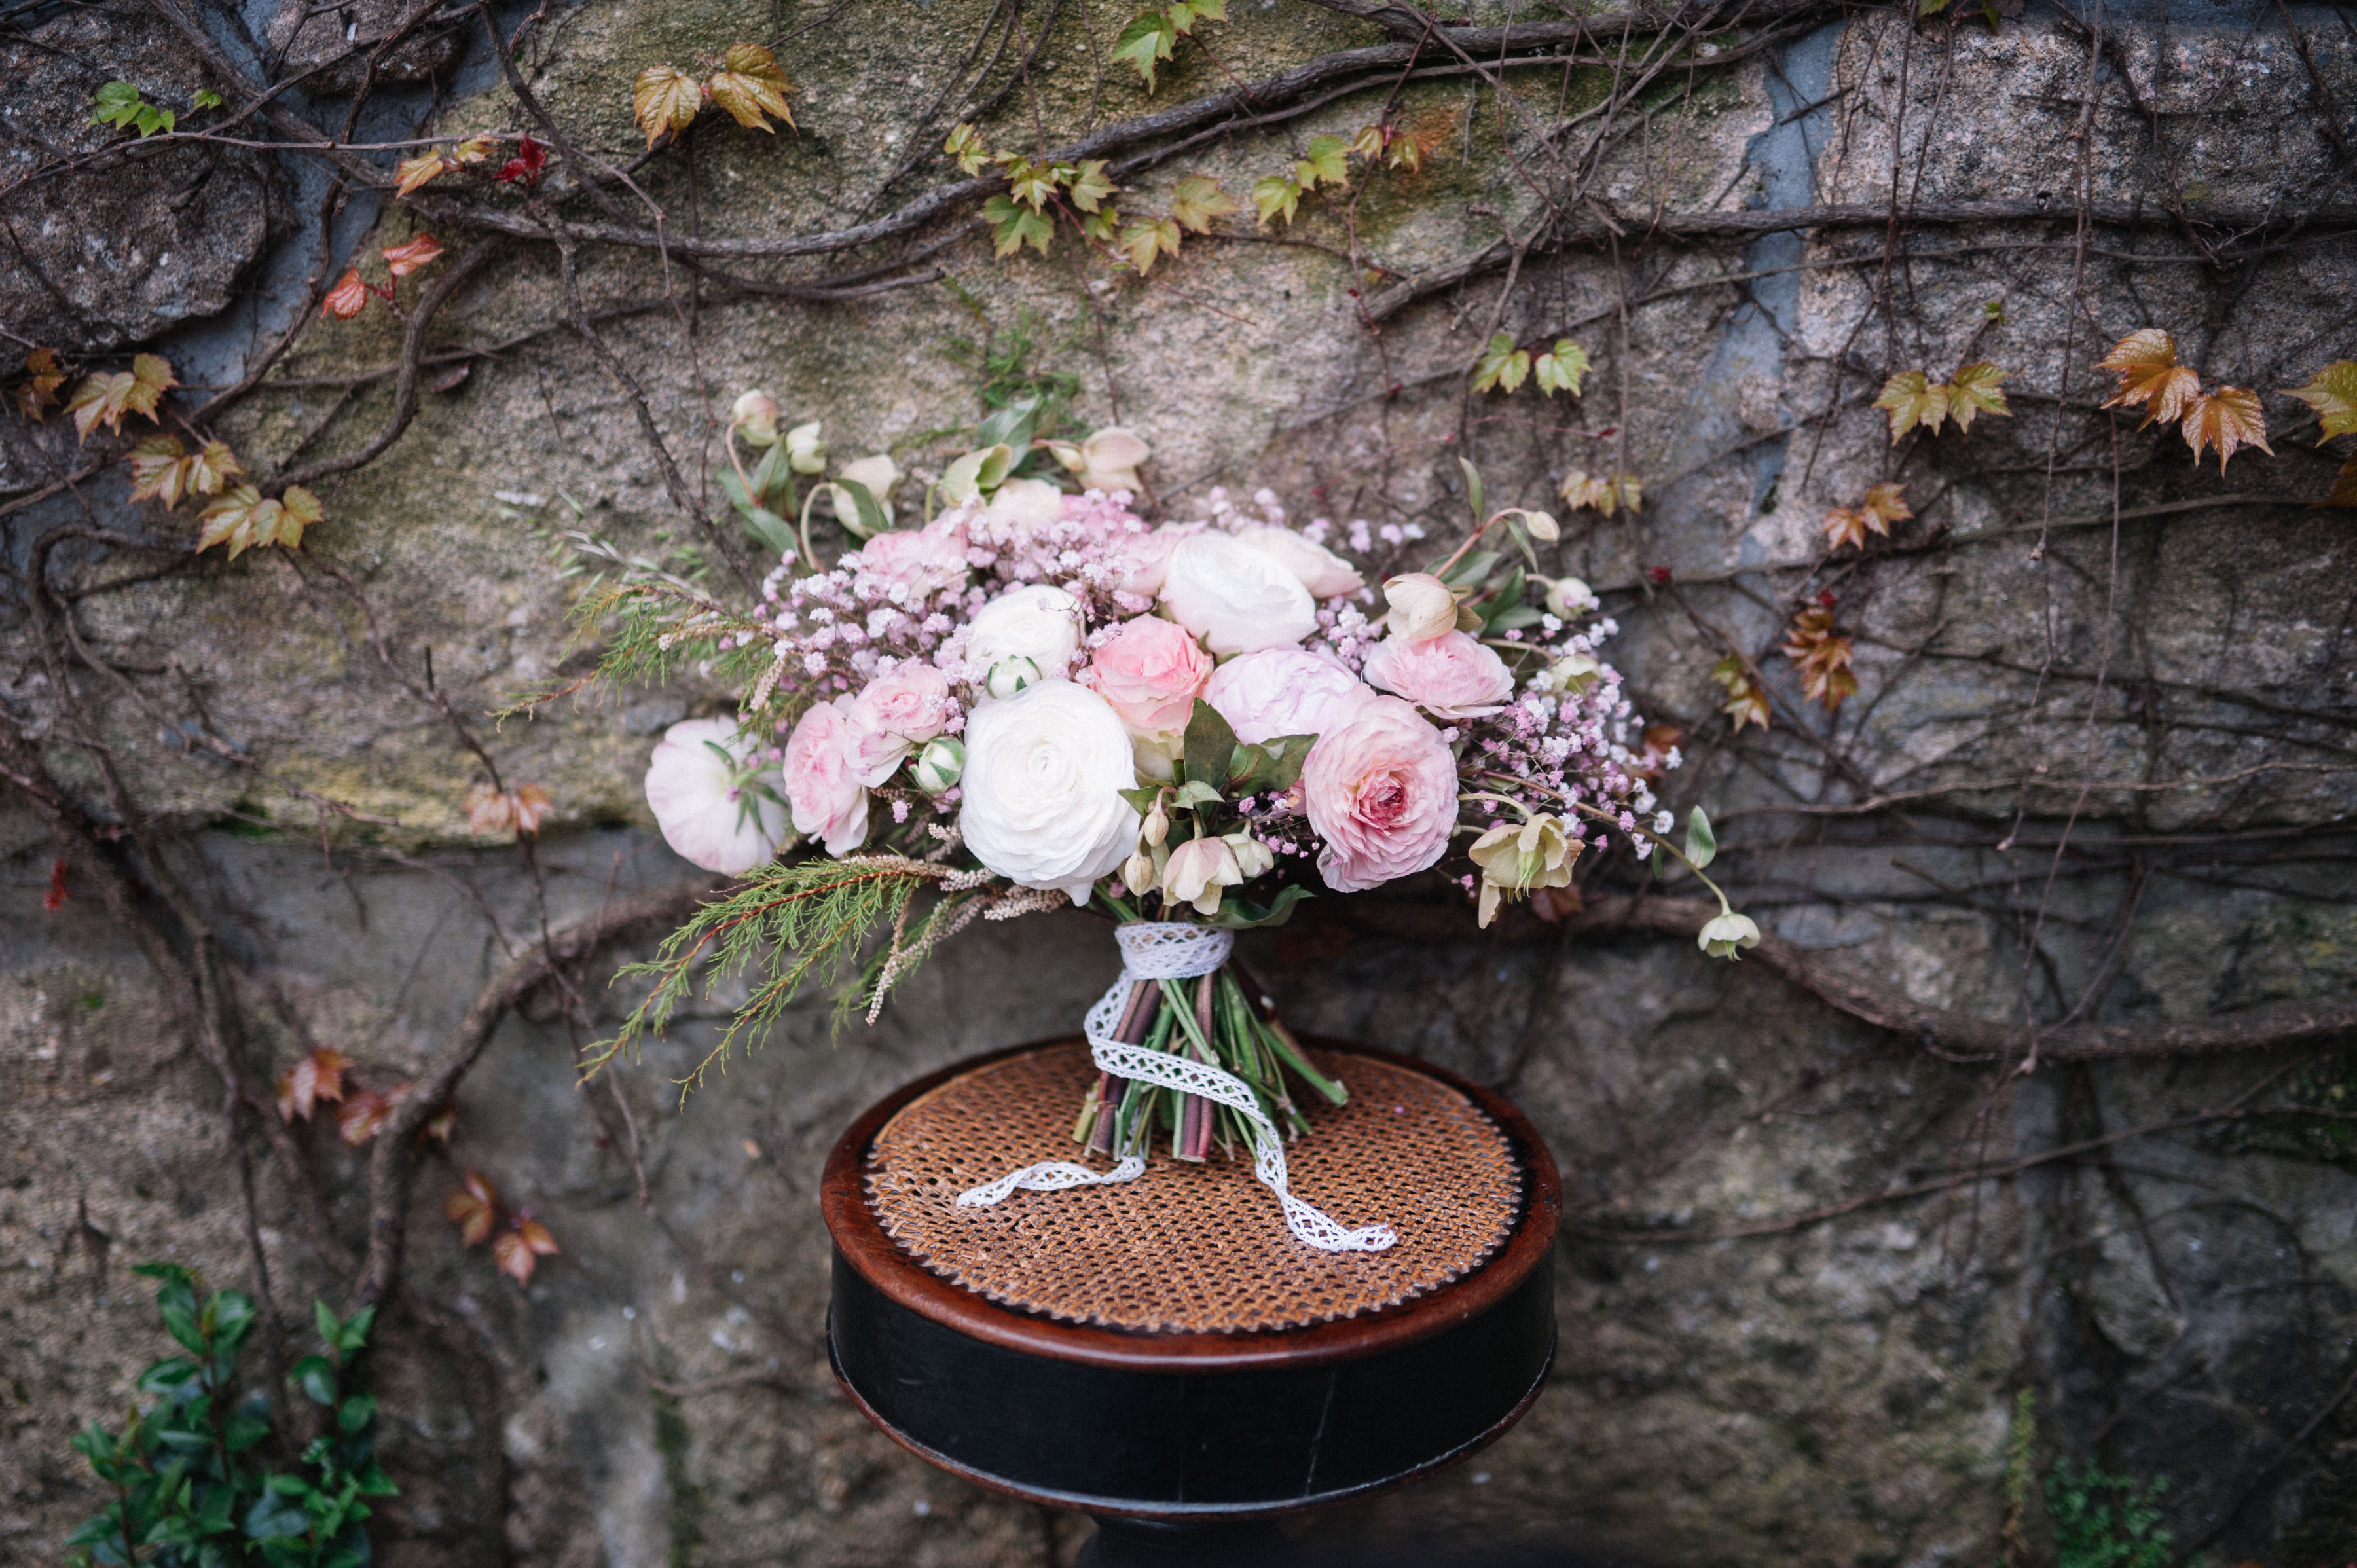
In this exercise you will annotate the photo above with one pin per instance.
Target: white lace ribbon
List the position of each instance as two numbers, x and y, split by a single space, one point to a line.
1173 951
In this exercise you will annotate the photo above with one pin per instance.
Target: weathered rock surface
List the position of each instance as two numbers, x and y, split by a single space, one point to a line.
1733 1386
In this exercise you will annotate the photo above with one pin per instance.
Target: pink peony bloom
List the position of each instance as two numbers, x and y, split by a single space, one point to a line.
1284 690
1150 670
1451 675
923 561
829 803
894 716
1381 791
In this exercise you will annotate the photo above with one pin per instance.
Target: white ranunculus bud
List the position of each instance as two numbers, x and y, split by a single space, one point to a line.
1727 933
1109 460
1237 599
1568 597
805 453
939 766
1034 622
718 801
1027 503
1044 773
754 416
1326 574
1008 676
1575 672
1421 607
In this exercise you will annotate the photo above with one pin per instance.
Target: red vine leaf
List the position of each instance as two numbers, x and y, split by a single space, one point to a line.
490 810
526 165
2150 375
2227 419
55 899
473 1209
519 1252
347 299
403 259
1884 505
363 1116
317 1077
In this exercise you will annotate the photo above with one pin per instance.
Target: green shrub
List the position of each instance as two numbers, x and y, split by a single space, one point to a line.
188 1492
2107 1521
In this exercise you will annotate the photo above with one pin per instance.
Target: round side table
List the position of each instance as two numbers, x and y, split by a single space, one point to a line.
1163 1354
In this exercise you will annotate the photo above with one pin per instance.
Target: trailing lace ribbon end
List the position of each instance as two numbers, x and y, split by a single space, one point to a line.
1156 951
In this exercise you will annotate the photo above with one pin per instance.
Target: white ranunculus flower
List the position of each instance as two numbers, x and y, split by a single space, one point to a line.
1044 773
718 802
1027 503
1035 622
1326 574
1235 598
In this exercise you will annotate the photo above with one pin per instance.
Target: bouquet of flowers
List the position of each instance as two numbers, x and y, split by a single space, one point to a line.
1033 696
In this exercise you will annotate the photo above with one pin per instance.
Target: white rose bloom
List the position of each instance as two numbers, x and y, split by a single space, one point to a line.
1326 574
1237 599
1044 772
716 808
1035 622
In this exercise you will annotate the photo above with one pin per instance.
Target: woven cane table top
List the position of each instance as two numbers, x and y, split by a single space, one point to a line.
1193 1248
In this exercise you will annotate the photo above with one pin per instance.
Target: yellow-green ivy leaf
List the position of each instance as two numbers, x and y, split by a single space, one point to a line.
1197 200
1501 365
1275 196
1560 368
1145 42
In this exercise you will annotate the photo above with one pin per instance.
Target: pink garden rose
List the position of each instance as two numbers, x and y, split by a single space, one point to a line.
1150 670
1144 559
1380 790
899 712
923 561
1451 675
829 804
1284 690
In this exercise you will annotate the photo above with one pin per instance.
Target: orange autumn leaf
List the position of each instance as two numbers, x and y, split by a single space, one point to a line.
1821 656
2344 486
245 518
1745 702
664 98
403 259
2227 419
424 169
750 84
517 1251
439 1125
105 398
1884 505
490 810
363 1116
347 299
473 1209
37 393
317 1077
2150 375
161 470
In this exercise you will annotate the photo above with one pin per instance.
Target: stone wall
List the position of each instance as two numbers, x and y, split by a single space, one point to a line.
1786 1338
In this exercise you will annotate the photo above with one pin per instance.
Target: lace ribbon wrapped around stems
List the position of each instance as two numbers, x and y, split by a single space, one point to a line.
1159 952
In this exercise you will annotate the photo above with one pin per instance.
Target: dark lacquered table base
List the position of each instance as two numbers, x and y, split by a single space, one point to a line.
1184 1446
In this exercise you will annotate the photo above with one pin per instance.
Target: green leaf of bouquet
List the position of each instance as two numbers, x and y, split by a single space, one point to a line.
1702 845
1472 569
1195 792
1141 799
1474 493
1210 744
1241 914
770 529
1012 426
867 519
1509 596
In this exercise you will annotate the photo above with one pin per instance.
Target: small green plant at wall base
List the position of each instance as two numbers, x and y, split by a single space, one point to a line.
187 1493
2107 1521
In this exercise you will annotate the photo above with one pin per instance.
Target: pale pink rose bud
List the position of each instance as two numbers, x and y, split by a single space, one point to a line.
1422 607
1326 574
897 712
829 802
1151 670
1380 790
1450 675
1198 869
923 561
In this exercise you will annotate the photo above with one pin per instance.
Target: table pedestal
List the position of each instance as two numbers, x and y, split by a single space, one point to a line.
1163 1354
